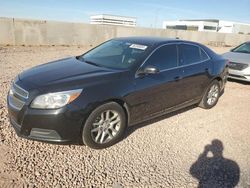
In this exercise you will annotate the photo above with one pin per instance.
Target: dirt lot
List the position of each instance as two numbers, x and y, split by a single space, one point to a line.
170 151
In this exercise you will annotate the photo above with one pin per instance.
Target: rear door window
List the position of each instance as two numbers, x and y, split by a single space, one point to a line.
204 56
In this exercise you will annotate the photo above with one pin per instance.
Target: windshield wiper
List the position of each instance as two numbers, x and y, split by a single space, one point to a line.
244 52
92 63
89 62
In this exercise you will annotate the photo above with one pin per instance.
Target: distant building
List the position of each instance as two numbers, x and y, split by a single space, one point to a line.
209 25
105 19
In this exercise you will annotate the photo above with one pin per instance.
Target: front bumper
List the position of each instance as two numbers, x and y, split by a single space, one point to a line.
243 75
54 126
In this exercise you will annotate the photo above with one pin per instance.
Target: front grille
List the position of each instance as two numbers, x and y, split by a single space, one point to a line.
17 90
237 76
17 97
237 66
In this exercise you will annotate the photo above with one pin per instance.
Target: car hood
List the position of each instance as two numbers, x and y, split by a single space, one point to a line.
62 71
237 57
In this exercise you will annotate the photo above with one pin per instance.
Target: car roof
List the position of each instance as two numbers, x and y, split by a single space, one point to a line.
155 42
149 41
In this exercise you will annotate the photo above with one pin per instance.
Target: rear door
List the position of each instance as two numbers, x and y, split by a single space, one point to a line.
196 68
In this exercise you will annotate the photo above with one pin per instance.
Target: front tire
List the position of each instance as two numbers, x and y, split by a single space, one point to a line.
105 126
211 96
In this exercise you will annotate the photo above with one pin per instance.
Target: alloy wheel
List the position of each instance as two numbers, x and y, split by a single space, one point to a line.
106 126
213 95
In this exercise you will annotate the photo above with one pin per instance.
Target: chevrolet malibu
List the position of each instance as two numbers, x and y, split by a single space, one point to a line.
92 98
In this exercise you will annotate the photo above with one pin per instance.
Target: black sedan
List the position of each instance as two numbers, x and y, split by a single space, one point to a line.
92 98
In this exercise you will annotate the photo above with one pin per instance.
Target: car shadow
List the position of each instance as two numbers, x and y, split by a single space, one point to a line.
238 81
133 128
213 170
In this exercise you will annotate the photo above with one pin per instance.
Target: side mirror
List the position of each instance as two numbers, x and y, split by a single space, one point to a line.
148 70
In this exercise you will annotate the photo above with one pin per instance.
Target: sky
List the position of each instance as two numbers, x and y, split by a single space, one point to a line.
149 13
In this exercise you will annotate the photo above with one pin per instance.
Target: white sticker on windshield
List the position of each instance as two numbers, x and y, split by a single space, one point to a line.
138 46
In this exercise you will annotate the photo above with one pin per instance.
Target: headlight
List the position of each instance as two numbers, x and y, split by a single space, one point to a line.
11 91
55 100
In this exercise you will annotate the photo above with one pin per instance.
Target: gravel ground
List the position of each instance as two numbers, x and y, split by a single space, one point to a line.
175 150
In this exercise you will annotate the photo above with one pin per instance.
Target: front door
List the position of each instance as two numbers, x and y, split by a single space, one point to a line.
156 92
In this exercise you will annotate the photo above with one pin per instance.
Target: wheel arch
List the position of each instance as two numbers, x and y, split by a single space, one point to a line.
119 101
124 105
219 79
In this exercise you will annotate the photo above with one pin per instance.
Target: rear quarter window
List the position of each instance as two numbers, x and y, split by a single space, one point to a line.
190 54
204 55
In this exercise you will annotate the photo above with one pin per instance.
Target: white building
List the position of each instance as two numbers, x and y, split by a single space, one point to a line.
208 25
233 27
105 19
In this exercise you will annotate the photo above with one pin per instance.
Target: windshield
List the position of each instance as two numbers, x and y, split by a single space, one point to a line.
244 48
116 54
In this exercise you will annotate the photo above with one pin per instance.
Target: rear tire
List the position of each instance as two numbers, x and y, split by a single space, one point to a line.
105 126
211 96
